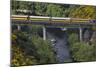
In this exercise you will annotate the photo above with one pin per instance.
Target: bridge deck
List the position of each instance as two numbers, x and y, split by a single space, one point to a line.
50 23
24 19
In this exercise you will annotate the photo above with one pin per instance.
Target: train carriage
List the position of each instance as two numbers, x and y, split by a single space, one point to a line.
51 19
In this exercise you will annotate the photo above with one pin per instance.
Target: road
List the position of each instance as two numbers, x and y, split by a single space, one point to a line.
59 43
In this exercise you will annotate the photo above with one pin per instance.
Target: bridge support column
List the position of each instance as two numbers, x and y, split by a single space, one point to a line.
80 33
44 33
18 27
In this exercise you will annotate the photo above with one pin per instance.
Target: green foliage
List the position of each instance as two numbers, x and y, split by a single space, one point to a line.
33 29
14 6
40 10
29 48
19 52
69 9
81 51
54 10
73 38
44 50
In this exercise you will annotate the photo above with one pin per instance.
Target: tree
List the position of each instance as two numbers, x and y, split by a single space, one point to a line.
40 9
83 52
29 48
20 54
14 6
87 12
44 50
69 9
54 10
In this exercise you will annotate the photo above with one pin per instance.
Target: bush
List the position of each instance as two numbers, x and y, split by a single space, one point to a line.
20 58
81 51
30 49
44 50
19 54
73 38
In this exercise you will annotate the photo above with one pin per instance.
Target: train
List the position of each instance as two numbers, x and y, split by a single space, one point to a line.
50 19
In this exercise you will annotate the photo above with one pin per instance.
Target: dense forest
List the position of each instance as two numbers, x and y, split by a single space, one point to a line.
52 9
28 46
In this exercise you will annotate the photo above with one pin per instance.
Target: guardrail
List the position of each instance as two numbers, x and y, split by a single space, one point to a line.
51 19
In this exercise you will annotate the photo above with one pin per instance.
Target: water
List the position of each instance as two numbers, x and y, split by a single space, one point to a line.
59 43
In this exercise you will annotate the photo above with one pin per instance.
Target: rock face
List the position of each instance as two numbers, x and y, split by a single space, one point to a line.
93 38
89 36
86 36
59 43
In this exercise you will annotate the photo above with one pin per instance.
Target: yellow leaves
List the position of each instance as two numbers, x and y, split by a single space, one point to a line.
20 58
87 12
14 37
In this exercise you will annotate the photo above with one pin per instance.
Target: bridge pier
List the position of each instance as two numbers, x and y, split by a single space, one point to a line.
80 33
18 27
44 33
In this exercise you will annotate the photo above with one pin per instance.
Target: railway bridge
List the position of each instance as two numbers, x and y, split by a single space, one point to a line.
56 22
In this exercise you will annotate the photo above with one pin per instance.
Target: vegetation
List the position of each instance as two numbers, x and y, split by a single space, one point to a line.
82 51
55 10
28 47
28 50
19 51
83 12
44 50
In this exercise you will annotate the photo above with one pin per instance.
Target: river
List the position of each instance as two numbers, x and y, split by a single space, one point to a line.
58 38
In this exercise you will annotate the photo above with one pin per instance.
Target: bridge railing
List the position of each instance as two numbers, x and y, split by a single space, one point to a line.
53 19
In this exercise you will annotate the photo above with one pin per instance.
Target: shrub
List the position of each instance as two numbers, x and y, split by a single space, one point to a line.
44 50
81 51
